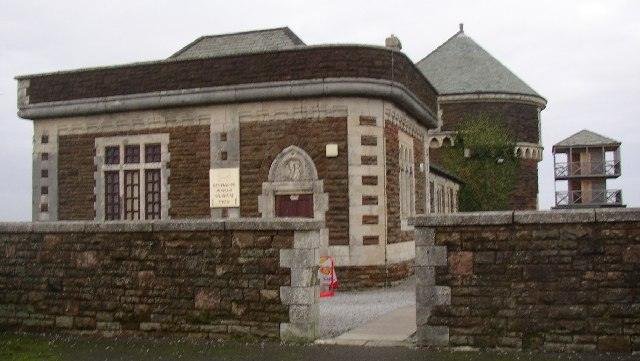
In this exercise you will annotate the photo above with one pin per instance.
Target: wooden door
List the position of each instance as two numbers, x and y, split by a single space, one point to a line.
294 205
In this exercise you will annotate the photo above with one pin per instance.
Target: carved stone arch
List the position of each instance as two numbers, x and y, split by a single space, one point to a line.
518 152
446 142
292 165
293 172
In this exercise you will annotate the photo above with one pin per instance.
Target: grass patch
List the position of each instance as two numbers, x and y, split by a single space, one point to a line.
26 348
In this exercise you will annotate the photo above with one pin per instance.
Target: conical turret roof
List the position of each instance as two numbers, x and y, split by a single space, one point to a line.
461 66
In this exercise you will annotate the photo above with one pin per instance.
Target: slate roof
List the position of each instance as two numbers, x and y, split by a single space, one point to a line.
461 66
442 172
586 138
239 43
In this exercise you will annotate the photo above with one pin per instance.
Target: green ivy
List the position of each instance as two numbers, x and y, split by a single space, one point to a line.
489 168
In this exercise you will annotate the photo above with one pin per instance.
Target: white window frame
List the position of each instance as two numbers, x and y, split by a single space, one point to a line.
122 141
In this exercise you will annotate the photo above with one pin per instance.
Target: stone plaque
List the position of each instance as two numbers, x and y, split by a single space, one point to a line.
224 188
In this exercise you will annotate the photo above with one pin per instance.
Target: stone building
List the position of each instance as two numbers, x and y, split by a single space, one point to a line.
582 165
470 81
339 133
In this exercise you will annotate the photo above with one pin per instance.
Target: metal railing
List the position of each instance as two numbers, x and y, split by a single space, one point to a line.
610 197
572 169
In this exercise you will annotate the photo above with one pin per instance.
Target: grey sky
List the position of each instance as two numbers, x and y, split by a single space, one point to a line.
582 56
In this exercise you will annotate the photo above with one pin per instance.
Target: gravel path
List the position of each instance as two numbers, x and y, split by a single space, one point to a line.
347 310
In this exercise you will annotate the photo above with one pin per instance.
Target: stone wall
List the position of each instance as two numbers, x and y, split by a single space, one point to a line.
558 281
217 279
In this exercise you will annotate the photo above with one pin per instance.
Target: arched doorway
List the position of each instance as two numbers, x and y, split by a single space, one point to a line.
292 188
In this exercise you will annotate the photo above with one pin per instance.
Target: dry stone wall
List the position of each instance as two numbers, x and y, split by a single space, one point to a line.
558 281
217 279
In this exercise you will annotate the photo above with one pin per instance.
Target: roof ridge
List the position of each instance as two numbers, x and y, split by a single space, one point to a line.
295 38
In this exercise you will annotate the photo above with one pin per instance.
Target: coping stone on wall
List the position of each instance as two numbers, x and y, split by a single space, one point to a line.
591 215
463 218
618 215
289 224
554 216
16 227
273 224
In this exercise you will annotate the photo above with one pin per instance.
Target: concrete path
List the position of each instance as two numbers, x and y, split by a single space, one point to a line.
391 329
352 309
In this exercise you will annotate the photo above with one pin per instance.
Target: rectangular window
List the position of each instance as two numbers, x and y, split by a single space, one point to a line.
44 139
432 197
44 190
451 200
131 194
111 195
152 193
407 183
131 176
132 154
45 156
112 155
152 153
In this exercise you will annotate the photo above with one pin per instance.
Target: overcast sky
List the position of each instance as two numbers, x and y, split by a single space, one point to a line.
582 56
